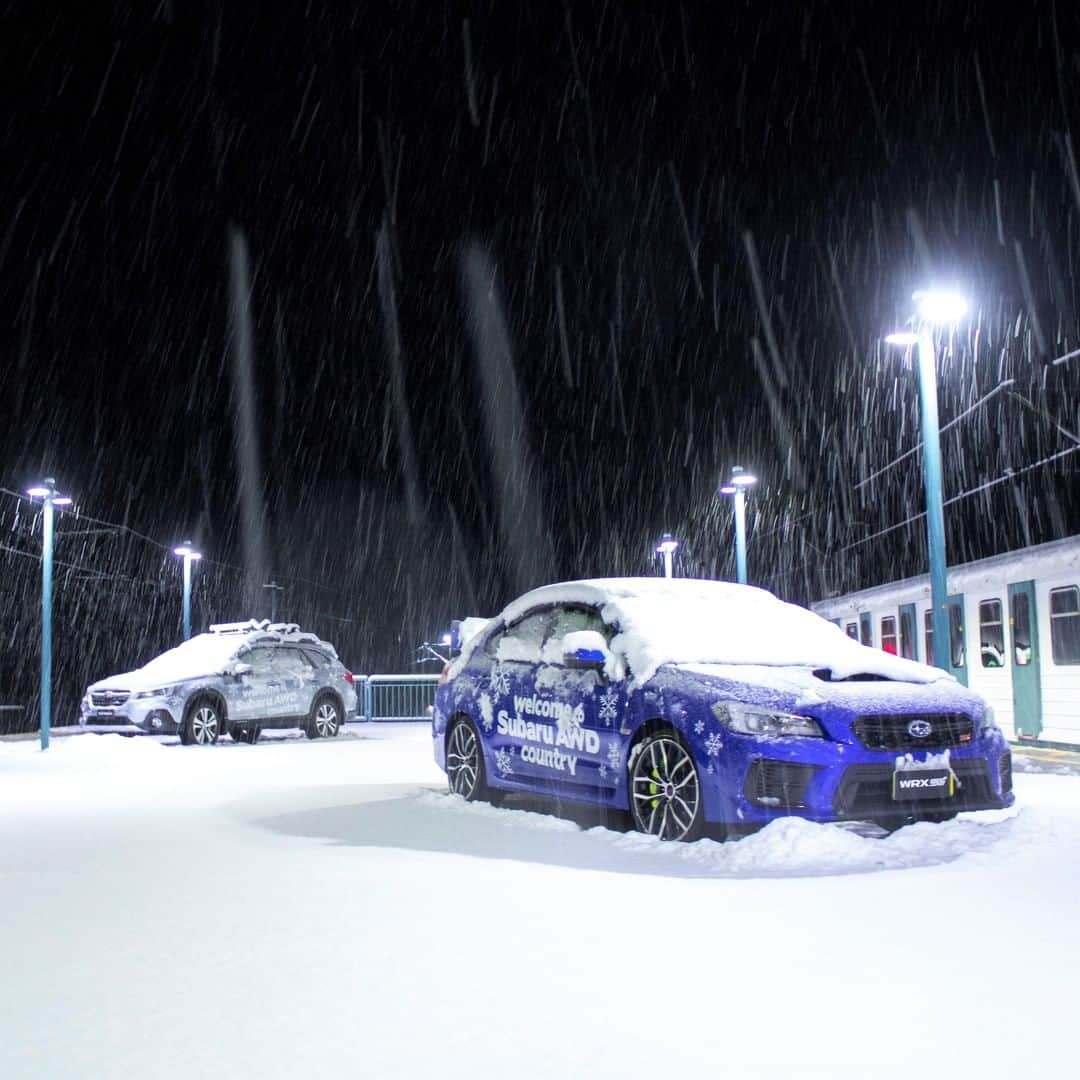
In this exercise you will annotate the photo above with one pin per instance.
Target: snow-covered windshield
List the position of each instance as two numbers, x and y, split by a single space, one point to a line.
202 655
686 621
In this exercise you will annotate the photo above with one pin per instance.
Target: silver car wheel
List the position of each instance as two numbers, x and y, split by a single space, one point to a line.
463 760
666 793
204 725
326 719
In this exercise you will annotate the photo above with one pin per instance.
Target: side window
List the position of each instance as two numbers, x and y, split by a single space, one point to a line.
1065 625
907 635
567 620
261 661
316 658
852 630
888 634
523 640
293 662
928 634
991 634
1021 629
866 630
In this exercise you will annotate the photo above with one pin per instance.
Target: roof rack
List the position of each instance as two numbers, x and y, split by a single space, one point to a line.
263 630
239 627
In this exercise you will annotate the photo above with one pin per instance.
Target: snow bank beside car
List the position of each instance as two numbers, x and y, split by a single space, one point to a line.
788 847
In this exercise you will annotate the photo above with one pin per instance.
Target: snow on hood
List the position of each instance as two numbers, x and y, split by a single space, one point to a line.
687 621
202 655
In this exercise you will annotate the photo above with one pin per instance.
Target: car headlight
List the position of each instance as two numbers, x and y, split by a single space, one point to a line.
987 723
768 723
141 695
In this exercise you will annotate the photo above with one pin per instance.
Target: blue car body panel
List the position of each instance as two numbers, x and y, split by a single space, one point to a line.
546 727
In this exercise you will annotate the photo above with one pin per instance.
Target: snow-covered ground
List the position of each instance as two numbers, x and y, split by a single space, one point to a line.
324 909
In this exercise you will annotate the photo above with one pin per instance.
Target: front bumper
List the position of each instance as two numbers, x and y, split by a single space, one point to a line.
157 716
754 781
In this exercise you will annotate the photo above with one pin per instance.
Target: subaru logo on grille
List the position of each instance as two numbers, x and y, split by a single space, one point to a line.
920 729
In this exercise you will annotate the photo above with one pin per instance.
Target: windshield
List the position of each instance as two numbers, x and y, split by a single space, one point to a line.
202 655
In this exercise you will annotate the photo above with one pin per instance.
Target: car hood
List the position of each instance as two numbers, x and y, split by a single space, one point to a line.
805 690
140 679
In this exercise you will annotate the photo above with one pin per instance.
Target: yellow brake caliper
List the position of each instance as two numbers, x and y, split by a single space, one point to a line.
654 789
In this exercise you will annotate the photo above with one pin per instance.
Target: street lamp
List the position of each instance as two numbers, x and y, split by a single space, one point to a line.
50 498
933 308
666 548
189 555
736 486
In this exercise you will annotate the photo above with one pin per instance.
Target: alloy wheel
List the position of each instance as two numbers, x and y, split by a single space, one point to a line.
666 793
326 719
463 760
204 725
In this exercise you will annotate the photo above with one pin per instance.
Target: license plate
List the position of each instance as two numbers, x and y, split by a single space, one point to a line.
923 784
104 712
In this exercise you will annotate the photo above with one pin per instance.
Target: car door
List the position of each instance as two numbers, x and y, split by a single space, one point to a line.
297 683
505 696
589 706
257 689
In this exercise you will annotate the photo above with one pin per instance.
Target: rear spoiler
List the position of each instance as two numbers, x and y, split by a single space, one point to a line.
462 630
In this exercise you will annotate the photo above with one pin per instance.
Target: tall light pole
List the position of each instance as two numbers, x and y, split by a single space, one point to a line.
667 547
933 308
736 487
189 555
50 498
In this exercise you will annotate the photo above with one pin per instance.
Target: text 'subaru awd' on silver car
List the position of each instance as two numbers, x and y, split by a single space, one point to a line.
237 678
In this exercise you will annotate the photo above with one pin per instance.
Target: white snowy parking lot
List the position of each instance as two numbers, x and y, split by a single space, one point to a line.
324 909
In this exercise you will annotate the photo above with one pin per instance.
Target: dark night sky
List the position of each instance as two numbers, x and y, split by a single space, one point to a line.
572 202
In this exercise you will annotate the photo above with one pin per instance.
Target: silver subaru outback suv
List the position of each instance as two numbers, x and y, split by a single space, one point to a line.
237 678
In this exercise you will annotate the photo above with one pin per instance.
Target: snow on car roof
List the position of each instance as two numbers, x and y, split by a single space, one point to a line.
686 620
205 654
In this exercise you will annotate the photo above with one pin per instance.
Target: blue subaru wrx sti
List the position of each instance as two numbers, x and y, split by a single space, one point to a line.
702 703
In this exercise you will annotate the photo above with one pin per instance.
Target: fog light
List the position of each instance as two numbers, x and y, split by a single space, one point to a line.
155 720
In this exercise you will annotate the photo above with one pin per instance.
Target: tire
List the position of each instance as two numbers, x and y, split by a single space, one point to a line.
325 719
465 771
665 790
203 723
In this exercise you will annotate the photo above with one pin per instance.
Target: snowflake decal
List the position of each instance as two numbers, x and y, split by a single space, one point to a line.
603 770
714 744
499 683
487 715
699 727
609 708
614 755
503 762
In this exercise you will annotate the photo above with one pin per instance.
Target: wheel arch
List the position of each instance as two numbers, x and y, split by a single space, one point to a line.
653 726
216 698
328 692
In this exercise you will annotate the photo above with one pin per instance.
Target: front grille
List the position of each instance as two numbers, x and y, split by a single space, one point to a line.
778 783
890 732
109 699
1005 772
865 791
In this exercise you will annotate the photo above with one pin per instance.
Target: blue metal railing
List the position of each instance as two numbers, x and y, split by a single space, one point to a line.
384 698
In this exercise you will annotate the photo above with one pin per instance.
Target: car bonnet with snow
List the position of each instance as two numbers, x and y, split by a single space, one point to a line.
778 710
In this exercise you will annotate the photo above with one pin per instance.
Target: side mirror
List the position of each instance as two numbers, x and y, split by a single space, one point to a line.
240 669
585 649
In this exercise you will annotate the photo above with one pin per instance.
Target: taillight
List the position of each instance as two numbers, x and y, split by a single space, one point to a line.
444 676
347 676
